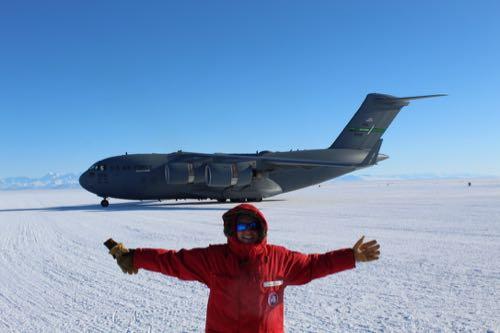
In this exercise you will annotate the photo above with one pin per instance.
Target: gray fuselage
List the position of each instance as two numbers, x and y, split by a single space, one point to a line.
143 176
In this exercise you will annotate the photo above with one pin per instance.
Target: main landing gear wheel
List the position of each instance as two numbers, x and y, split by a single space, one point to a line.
254 199
104 203
221 200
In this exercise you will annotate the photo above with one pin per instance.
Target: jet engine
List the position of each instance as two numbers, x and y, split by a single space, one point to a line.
179 173
225 174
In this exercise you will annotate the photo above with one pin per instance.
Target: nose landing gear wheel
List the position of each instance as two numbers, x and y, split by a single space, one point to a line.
104 203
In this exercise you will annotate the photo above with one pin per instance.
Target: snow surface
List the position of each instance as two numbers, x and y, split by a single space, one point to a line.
439 270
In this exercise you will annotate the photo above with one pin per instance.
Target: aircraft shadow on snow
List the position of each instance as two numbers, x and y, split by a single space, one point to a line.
152 205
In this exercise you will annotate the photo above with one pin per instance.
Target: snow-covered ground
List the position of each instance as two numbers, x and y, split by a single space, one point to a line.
439 268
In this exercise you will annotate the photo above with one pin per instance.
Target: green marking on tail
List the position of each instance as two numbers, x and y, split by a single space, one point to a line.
367 130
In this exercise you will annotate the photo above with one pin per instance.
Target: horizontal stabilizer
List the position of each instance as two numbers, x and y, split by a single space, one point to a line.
417 97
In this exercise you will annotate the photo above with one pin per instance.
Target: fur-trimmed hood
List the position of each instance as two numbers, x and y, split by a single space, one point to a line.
240 249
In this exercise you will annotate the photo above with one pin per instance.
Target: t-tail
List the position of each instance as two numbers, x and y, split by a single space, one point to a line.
369 123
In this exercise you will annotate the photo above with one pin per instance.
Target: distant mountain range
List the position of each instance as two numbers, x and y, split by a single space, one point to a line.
70 180
49 181
417 176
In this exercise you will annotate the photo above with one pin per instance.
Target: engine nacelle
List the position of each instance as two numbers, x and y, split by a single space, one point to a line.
225 174
179 173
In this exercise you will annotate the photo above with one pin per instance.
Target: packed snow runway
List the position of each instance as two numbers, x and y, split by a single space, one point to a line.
439 269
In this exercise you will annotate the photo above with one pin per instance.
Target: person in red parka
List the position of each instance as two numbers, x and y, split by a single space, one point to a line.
247 277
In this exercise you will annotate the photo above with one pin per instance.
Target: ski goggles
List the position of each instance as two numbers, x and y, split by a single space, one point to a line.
247 226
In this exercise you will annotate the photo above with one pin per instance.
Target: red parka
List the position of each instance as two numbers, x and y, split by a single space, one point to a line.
246 281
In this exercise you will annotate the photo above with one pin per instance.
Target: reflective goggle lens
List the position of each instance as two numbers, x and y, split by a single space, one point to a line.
246 226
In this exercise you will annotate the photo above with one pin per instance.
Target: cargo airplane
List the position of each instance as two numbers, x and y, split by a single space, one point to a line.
246 177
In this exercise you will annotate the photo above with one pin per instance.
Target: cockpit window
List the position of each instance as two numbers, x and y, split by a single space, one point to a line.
98 167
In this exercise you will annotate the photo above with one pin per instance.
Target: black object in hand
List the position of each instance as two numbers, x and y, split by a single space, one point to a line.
110 243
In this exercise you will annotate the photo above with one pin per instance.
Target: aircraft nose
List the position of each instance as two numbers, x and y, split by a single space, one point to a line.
82 180
85 181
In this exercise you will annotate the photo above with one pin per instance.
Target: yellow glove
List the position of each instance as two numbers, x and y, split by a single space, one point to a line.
368 251
124 258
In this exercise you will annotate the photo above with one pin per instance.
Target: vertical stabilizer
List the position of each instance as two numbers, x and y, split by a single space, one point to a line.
371 121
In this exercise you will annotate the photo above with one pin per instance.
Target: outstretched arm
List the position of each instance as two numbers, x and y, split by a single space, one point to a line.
302 268
184 264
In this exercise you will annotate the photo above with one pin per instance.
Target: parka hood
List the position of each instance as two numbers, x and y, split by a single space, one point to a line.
240 249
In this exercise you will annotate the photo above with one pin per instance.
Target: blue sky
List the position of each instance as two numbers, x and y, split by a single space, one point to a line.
80 81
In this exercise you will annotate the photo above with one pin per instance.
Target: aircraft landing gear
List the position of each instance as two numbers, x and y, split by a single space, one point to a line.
221 200
104 203
254 199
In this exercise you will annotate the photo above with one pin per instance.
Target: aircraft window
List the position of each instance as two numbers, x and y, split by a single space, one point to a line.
142 168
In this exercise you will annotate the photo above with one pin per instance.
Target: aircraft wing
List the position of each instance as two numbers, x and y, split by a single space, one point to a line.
301 162
279 161
283 161
370 159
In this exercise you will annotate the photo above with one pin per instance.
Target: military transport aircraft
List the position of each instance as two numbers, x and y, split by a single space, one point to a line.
246 177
